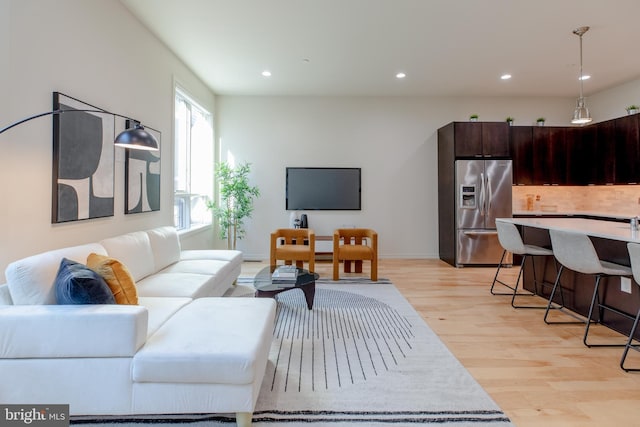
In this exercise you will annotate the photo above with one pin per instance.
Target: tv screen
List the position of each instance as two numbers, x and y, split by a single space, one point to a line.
323 189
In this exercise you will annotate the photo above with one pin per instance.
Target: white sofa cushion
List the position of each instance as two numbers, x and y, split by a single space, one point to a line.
31 279
134 251
5 296
234 257
165 245
211 340
160 310
200 266
46 331
188 285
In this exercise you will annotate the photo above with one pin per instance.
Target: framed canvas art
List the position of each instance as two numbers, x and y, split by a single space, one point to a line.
142 177
83 161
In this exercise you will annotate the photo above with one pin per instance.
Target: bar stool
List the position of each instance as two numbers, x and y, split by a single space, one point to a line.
576 252
634 256
510 239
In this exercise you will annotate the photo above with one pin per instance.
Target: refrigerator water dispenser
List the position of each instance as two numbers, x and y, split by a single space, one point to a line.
468 197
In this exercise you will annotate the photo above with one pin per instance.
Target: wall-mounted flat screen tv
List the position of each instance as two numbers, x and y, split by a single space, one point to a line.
323 189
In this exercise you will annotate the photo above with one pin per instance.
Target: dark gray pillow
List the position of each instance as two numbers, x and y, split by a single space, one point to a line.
76 283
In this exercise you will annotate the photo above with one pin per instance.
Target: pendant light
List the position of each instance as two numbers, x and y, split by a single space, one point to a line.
581 113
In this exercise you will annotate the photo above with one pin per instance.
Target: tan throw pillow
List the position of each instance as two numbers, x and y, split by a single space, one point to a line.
117 277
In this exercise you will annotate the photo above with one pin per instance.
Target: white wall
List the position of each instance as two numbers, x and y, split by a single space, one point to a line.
611 103
393 140
98 52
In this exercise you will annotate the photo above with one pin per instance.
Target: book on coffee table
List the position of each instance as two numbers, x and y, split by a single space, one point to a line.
285 272
285 275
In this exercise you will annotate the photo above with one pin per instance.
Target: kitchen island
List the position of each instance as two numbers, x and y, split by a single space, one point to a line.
610 240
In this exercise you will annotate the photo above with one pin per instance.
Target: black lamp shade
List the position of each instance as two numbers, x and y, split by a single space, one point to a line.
137 138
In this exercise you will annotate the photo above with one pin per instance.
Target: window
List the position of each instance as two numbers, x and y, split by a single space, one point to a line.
194 163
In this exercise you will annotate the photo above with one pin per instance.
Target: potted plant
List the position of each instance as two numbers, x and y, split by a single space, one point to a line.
473 117
236 200
632 109
510 120
540 121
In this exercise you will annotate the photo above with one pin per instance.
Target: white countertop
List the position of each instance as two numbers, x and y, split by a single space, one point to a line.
572 213
592 227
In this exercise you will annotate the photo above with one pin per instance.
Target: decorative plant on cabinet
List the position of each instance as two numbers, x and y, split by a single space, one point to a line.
236 200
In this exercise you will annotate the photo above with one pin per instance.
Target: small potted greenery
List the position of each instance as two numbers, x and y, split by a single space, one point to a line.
632 109
540 121
473 117
510 120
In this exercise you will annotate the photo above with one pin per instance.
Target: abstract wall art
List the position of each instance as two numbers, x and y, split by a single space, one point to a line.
142 177
83 161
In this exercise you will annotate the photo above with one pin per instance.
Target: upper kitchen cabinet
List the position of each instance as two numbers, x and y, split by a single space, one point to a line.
549 155
627 149
600 141
495 139
581 150
479 139
522 154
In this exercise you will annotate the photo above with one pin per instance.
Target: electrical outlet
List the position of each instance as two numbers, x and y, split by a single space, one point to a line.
625 284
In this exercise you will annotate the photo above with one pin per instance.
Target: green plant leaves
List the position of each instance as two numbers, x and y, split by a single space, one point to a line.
236 200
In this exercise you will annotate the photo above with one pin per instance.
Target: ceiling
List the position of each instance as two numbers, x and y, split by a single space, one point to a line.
356 47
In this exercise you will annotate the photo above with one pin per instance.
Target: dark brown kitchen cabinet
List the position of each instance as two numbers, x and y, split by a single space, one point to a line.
522 154
602 153
480 139
495 139
603 161
627 148
549 155
580 152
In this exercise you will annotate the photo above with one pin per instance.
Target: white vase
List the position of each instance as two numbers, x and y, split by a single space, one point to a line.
293 216
632 111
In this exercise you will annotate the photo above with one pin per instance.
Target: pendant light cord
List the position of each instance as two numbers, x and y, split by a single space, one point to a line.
581 75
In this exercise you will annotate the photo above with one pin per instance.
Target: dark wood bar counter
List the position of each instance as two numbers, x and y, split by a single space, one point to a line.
610 241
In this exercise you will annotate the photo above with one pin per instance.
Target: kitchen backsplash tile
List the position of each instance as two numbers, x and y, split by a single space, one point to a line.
620 200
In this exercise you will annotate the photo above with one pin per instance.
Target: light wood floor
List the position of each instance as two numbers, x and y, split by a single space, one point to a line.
540 375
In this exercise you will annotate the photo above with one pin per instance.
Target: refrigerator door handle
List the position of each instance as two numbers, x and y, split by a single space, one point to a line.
482 195
489 195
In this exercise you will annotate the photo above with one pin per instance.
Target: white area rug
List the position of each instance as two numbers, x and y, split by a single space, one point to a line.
361 356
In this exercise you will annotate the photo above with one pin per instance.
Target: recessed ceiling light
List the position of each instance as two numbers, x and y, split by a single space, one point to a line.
505 76
401 76
266 73
585 77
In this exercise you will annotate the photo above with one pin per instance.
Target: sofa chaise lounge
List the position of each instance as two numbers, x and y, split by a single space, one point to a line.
182 349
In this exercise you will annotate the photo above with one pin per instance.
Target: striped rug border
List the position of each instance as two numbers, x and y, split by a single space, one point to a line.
313 416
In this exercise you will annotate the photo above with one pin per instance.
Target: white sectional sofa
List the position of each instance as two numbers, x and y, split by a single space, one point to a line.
182 349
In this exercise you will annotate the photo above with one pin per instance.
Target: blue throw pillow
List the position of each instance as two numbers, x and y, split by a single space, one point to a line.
76 283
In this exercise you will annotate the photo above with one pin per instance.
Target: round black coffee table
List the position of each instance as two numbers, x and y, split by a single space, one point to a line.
305 281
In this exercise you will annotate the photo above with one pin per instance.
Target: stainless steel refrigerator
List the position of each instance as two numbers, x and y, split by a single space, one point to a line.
483 193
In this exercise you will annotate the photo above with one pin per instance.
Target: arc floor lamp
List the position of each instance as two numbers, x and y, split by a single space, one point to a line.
133 138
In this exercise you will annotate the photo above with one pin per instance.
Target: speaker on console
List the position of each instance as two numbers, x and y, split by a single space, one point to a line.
303 221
